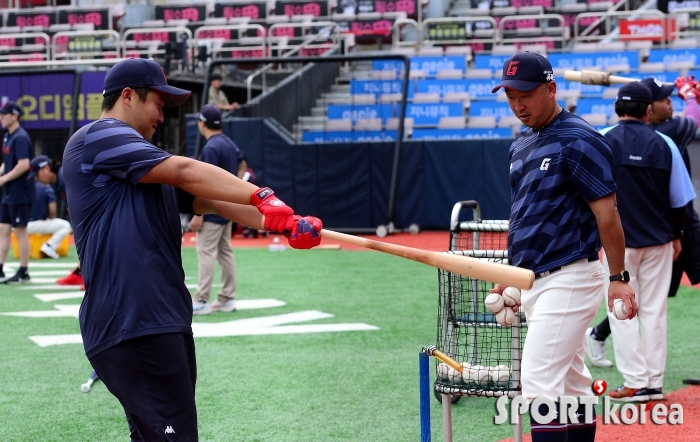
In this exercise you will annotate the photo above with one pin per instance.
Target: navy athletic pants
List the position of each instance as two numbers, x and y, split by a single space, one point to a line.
154 378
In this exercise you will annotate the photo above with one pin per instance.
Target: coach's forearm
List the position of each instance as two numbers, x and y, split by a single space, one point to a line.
246 215
20 168
201 179
610 229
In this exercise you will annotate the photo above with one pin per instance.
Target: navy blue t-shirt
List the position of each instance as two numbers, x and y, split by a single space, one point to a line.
682 131
554 174
222 152
128 237
17 146
44 196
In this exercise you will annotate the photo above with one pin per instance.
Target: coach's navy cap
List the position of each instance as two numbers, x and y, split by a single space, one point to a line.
659 91
37 164
10 107
525 71
211 115
142 73
634 91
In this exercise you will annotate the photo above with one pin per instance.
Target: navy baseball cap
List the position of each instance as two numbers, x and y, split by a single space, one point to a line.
211 115
142 73
10 107
37 164
659 91
525 71
634 91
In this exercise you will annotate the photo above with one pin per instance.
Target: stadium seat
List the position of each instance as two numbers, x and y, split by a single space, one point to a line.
508 121
610 92
403 50
389 98
479 73
392 123
481 122
584 47
643 46
451 123
363 99
652 67
451 97
413 73
369 124
618 68
450 73
680 66
426 97
384 75
338 125
684 43
430 50
504 50
595 119
612 46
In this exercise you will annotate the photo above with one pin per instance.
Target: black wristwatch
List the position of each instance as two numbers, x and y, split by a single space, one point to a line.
623 276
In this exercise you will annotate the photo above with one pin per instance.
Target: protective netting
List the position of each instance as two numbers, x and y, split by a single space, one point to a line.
469 332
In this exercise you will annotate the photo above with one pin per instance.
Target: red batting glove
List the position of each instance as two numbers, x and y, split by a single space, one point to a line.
279 217
696 86
306 232
685 88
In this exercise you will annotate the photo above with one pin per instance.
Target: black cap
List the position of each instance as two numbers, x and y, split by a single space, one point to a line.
10 107
142 73
659 91
525 71
215 77
37 164
634 91
211 116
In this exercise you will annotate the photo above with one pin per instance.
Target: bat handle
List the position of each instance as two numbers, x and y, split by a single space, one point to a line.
433 351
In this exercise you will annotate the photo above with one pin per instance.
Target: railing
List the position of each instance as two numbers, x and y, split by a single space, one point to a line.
246 39
37 51
334 33
487 34
606 20
147 42
541 29
398 26
85 44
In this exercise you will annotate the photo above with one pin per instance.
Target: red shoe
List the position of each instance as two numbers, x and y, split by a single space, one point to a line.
72 279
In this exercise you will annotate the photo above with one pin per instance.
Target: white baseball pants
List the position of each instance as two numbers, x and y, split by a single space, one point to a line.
56 227
559 308
642 359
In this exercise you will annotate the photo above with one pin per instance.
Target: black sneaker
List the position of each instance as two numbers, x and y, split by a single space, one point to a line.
18 279
655 394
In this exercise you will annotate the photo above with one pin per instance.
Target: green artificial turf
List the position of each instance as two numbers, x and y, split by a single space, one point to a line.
331 386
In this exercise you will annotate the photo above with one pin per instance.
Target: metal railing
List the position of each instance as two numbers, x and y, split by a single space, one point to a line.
471 35
85 44
606 19
541 29
147 42
232 38
38 51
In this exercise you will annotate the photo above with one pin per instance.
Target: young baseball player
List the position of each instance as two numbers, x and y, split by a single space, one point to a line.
563 207
125 196
681 129
213 231
653 190
18 192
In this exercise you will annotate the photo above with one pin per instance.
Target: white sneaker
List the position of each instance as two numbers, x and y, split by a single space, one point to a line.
595 350
201 308
228 306
47 250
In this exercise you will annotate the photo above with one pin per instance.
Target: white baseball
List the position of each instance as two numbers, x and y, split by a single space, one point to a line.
619 309
494 302
511 296
505 317
442 371
500 375
479 375
453 375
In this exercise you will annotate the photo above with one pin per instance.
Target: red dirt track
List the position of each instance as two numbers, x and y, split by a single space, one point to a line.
688 398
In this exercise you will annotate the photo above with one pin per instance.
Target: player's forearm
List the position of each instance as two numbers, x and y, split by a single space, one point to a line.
201 180
241 214
611 234
17 171
692 111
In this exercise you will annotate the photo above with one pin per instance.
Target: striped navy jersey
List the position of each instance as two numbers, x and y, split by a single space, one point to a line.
128 237
554 174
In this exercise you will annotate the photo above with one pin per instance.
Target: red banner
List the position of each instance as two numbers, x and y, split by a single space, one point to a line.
648 29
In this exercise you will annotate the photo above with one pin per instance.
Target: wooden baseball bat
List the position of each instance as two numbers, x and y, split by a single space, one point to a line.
463 265
597 78
433 351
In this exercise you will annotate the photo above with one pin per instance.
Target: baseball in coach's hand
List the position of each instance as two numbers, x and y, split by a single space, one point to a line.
494 302
505 317
511 296
619 309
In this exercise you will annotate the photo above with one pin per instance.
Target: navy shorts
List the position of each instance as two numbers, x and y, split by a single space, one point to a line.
154 379
16 215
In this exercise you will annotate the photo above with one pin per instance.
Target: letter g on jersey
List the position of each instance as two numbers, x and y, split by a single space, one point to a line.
545 164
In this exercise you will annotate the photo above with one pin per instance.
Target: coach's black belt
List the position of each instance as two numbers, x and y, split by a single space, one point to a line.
556 269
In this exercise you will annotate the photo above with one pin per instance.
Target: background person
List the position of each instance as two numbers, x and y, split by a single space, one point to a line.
18 192
42 218
217 97
563 207
681 129
125 196
213 231
653 191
